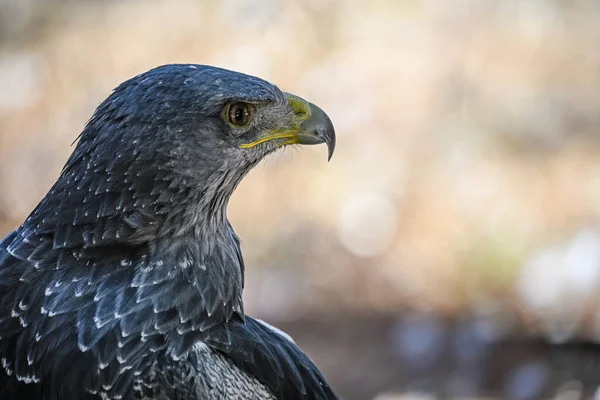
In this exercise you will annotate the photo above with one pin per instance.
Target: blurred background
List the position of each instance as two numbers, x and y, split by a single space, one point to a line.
450 249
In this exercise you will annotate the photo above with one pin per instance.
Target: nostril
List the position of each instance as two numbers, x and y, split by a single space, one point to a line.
301 114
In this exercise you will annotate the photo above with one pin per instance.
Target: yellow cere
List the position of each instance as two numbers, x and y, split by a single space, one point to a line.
301 110
299 106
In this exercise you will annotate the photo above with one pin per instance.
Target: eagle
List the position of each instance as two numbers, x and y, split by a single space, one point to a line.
125 281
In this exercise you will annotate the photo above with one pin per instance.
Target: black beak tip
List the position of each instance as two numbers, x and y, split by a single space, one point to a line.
327 133
330 147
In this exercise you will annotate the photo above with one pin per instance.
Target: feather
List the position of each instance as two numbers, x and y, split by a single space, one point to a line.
126 280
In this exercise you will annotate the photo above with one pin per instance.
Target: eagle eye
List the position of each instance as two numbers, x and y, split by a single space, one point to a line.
239 114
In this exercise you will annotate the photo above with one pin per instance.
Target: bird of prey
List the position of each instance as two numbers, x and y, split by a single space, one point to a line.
125 282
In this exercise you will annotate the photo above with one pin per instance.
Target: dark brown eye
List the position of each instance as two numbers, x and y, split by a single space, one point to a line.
239 114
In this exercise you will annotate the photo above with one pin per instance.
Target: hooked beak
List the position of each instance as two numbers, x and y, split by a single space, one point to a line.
316 129
312 126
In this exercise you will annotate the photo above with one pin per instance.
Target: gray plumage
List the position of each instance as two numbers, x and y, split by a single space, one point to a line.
126 280
213 378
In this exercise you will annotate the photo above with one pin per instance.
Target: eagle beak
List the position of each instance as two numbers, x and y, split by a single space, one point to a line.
311 126
316 129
